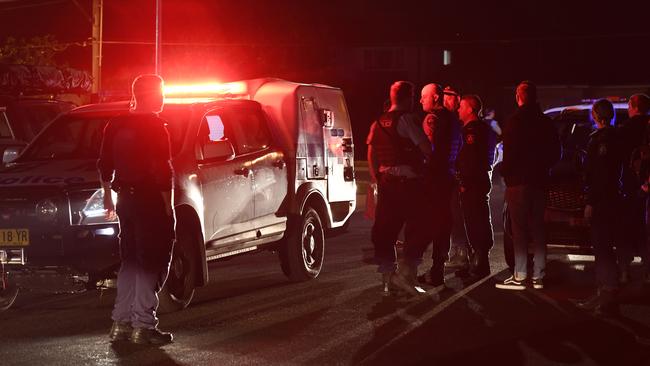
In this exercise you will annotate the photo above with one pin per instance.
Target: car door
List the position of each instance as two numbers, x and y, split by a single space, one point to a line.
226 184
268 165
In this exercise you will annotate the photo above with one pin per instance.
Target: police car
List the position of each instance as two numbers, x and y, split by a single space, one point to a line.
262 164
22 118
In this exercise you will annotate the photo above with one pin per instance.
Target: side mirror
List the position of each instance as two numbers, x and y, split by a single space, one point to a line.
11 153
218 150
326 118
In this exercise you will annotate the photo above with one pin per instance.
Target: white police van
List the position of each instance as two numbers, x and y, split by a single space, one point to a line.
262 164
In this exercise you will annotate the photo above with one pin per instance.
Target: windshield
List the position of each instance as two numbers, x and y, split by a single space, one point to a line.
79 136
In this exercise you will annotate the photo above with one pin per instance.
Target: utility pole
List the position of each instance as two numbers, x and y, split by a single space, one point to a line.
158 37
98 14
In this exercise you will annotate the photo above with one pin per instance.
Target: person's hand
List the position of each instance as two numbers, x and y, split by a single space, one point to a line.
109 206
644 187
588 212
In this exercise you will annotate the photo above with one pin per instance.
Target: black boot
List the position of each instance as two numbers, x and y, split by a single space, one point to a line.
603 303
120 331
404 280
151 336
434 277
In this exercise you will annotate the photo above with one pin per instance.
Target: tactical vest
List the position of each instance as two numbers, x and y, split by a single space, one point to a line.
392 149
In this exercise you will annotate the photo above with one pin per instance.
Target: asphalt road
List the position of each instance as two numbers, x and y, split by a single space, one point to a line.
251 315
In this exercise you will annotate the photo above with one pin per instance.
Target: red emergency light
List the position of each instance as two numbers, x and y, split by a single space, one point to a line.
232 89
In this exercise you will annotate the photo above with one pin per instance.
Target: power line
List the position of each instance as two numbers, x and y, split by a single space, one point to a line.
27 6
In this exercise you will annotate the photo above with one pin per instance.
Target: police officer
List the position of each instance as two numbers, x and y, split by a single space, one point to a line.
474 166
602 176
443 131
135 161
458 253
397 150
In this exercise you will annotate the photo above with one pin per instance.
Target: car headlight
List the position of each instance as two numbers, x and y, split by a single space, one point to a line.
87 207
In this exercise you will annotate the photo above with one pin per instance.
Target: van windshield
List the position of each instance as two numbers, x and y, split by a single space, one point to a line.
79 136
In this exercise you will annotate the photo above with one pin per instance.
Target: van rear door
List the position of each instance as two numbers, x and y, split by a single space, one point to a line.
310 135
339 146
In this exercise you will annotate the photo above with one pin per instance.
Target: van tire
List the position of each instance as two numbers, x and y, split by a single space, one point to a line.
302 251
179 288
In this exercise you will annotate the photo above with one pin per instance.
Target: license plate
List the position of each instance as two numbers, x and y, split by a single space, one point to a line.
14 237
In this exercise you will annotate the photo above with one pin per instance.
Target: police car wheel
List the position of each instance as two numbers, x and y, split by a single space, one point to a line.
302 252
8 296
181 281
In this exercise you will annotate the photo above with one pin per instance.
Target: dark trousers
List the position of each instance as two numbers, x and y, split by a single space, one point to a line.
146 243
458 232
475 203
400 204
604 235
440 219
526 205
633 225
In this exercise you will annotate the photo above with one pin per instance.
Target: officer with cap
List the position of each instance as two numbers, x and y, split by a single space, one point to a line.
135 161
397 154
458 253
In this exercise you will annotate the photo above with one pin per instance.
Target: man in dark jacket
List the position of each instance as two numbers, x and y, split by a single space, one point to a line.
530 148
633 133
135 161
443 130
474 165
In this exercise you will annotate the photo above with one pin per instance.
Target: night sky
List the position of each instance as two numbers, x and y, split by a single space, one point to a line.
494 44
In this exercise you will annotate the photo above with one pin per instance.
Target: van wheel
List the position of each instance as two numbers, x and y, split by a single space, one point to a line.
302 251
181 281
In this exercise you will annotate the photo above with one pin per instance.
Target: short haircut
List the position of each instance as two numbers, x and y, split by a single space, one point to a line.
474 102
401 91
146 85
641 102
604 110
527 92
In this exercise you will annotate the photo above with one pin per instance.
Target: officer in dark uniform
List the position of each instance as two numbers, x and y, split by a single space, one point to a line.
443 130
135 161
474 166
397 151
603 166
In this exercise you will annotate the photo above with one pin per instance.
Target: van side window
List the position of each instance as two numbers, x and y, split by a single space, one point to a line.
212 129
249 131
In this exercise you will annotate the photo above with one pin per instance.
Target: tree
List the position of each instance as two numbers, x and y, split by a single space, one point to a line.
34 51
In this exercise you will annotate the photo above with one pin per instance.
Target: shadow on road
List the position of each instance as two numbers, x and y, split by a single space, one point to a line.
487 325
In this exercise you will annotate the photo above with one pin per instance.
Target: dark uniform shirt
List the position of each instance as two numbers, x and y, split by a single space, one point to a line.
443 130
476 155
136 152
603 166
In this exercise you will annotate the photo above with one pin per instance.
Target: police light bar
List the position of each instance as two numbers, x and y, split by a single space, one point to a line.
206 90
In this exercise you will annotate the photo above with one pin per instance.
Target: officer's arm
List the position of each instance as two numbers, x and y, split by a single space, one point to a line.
106 169
165 171
373 163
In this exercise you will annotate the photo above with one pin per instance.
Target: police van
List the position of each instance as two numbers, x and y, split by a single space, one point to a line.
263 164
